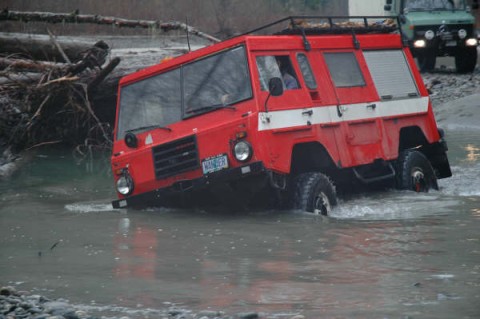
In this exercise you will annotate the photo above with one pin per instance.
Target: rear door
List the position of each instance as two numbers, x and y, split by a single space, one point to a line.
360 131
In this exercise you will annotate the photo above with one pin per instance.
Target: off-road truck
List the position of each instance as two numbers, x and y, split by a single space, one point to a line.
290 117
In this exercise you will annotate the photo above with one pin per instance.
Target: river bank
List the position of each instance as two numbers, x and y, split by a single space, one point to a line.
25 305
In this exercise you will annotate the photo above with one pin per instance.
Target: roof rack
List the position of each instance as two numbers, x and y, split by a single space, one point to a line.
334 24
323 25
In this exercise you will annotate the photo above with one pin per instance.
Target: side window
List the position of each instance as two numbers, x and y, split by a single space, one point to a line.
280 66
391 74
344 69
306 71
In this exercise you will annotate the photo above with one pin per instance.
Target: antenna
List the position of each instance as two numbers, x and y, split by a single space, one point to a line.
188 38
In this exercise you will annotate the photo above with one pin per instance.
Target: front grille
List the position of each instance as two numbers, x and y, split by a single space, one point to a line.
449 31
175 157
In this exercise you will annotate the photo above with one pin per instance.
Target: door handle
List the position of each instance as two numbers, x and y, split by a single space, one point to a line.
339 111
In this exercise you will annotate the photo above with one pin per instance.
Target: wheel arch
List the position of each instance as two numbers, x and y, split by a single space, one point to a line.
411 137
311 156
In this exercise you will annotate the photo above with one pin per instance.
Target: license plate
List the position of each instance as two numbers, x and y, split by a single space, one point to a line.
215 164
451 43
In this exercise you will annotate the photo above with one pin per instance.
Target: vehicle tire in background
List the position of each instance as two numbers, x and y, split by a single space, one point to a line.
314 192
427 59
466 60
414 172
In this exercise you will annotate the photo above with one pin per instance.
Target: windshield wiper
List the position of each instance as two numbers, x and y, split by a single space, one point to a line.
148 127
211 107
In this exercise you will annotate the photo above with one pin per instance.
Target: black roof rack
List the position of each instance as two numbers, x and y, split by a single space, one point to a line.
313 25
323 25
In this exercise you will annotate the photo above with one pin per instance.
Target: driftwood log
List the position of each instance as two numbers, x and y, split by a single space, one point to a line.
76 17
36 48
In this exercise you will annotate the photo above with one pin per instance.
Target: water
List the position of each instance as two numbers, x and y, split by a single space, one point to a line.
383 255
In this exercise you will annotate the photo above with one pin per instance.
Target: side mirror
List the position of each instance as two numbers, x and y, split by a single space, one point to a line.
275 86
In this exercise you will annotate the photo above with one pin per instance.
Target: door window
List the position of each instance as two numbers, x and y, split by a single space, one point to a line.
278 66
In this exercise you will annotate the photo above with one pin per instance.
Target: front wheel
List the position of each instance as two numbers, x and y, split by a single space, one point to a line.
414 172
314 193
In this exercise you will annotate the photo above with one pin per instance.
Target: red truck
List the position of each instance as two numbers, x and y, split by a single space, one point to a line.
289 117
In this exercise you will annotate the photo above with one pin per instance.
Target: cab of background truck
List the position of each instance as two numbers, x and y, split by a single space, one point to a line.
438 28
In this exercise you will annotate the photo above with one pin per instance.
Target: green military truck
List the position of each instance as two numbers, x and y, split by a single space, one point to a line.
438 28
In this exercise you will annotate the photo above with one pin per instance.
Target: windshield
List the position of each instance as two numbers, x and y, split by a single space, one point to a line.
204 85
429 5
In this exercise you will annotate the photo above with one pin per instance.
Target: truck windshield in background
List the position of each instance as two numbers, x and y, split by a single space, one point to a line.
428 5
195 88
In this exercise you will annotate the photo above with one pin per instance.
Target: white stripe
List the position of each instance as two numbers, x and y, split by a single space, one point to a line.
350 112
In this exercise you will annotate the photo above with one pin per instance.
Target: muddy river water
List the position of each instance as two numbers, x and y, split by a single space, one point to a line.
383 255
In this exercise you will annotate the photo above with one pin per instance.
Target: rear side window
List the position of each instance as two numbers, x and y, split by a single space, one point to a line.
306 71
344 69
391 74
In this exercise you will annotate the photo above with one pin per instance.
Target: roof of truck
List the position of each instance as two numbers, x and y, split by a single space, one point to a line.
300 33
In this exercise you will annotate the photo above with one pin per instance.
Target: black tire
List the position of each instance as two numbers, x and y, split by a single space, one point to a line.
414 172
466 60
314 193
427 58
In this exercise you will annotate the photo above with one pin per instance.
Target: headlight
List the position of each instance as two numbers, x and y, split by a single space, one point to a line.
125 184
429 35
420 44
242 151
471 42
462 33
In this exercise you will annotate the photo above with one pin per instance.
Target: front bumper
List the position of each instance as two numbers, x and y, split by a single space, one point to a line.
154 197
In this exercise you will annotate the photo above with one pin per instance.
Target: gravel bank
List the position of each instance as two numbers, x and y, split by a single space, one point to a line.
24 305
446 86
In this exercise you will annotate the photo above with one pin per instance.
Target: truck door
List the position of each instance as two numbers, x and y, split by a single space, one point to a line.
360 133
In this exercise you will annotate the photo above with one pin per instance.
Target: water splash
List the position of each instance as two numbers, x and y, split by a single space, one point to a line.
394 205
84 208
464 182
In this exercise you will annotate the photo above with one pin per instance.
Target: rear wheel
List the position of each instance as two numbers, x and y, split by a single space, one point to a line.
414 172
466 60
314 193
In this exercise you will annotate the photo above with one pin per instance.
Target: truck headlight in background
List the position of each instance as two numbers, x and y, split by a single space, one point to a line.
125 184
429 35
242 151
471 42
420 43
